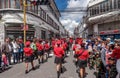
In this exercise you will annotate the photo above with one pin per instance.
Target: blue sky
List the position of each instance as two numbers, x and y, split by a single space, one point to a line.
71 19
61 4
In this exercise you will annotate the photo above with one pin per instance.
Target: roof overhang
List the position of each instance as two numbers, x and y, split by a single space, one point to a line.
103 17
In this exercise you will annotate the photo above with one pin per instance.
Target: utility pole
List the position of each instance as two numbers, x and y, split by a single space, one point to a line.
24 20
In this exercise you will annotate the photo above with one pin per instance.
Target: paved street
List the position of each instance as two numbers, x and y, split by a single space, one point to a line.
46 70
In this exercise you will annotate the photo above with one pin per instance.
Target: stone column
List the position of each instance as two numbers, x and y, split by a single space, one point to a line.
2 32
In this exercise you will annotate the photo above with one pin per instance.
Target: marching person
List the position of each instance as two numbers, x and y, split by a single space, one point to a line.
28 56
40 51
83 56
47 49
59 53
33 46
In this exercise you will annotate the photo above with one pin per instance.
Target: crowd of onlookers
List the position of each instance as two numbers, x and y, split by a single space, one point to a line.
104 57
11 52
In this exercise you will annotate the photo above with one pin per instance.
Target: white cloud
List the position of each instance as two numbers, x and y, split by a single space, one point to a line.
71 19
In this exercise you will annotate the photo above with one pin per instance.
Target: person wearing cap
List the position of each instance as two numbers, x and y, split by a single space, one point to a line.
82 56
28 56
59 53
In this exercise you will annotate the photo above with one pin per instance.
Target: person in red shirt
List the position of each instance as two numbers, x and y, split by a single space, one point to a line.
74 47
47 49
28 56
82 56
53 43
40 51
116 54
59 53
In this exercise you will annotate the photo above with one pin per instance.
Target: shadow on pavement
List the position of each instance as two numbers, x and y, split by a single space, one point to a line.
3 69
36 67
64 69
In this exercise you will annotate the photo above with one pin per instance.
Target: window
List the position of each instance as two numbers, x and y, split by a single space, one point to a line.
104 7
90 11
111 5
42 14
12 3
118 4
97 10
17 4
101 8
43 34
49 20
29 7
6 3
93 11
2 4
115 4
107 6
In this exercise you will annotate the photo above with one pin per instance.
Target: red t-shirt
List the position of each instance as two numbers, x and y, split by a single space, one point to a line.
28 51
116 53
58 51
74 47
53 43
39 46
46 46
84 55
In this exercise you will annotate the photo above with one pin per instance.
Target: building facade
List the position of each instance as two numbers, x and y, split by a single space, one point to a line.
103 18
42 20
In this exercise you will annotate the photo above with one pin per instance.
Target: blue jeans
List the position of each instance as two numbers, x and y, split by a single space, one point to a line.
15 57
107 72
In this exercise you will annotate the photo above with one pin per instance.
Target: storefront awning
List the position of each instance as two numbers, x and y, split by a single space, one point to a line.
103 17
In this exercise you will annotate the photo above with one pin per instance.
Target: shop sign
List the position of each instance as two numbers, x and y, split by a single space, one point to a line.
25 27
110 32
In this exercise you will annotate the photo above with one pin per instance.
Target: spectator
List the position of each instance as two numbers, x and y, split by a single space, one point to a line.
7 49
116 54
15 51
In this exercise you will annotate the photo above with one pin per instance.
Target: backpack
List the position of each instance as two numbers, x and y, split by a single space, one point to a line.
33 46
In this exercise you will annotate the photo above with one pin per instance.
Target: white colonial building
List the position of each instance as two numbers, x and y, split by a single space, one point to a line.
103 18
42 20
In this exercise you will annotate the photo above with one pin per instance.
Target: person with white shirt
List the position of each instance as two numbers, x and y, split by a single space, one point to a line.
15 51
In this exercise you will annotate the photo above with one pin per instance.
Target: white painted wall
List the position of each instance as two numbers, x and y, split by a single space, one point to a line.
95 28
2 33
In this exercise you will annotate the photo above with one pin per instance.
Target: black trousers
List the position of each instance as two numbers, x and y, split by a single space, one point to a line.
8 55
0 60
